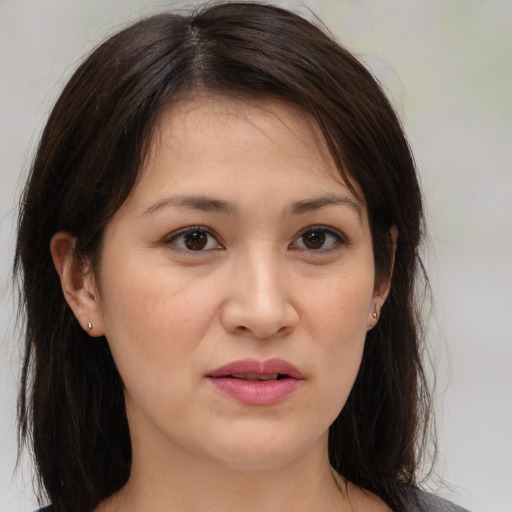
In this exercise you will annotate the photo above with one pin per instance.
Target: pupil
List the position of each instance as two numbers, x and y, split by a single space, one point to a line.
314 239
196 240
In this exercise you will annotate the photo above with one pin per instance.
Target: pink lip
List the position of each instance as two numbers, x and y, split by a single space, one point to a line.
257 392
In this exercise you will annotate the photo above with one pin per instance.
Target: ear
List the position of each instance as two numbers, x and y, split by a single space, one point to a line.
382 288
78 283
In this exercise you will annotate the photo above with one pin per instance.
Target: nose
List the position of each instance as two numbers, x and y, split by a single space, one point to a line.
259 303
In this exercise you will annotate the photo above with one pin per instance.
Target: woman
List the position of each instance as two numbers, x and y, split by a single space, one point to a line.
226 316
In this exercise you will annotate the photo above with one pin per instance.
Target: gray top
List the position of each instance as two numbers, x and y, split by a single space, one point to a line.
426 502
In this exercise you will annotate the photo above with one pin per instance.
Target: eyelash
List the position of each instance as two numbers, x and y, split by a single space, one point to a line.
173 237
339 239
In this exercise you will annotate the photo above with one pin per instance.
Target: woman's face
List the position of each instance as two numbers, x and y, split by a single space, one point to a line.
237 286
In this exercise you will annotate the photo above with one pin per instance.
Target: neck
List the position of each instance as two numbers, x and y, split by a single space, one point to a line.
176 481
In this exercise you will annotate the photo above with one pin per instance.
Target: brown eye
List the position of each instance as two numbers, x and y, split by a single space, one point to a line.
194 239
314 239
319 239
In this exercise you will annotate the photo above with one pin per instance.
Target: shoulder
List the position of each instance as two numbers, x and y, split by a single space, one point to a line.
425 502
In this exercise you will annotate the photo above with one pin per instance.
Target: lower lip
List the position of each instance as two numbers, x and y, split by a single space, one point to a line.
256 392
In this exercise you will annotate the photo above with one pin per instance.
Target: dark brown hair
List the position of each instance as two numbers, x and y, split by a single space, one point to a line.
71 405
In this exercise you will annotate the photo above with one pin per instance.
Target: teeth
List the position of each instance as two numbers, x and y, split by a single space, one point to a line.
253 376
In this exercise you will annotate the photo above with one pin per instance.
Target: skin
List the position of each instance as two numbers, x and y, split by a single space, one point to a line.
257 289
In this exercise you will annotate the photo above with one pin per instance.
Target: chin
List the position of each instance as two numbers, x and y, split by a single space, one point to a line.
262 447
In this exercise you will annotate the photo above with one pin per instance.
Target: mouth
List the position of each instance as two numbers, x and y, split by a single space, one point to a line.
253 370
256 377
256 382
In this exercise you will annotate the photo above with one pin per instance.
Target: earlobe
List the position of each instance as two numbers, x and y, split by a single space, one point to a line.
77 282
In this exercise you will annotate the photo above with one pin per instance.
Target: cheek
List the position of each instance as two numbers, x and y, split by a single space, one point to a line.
339 306
338 325
150 298
153 321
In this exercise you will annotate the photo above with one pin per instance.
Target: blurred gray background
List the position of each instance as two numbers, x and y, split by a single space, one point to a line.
447 67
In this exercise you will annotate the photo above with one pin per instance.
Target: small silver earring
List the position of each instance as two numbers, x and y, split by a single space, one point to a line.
374 314
89 326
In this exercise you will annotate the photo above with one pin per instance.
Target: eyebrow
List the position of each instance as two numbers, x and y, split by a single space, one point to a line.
309 205
202 203
210 204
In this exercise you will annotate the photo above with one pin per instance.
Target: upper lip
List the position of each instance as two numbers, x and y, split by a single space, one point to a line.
256 367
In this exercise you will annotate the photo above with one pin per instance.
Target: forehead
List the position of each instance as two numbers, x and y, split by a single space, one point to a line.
208 139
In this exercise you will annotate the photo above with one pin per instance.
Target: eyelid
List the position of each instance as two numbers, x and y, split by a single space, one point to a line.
172 237
341 239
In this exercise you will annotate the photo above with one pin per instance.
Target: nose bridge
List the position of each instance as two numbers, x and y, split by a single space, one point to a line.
260 301
264 269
